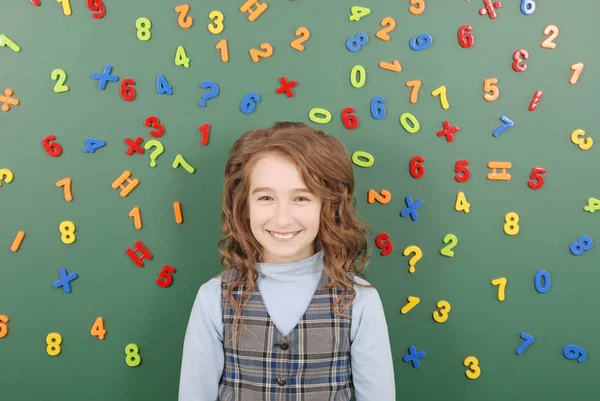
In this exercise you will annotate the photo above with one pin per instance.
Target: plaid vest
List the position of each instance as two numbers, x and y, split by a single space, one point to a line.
311 363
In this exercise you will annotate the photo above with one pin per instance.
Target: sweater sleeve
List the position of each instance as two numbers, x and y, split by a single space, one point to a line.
370 351
202 360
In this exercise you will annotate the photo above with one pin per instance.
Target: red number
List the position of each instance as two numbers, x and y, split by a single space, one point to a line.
465 39
205 130
128 92
52 148
536 174
165 278
97 8
417 170
350 120
517 59
151 122
461 167
386 246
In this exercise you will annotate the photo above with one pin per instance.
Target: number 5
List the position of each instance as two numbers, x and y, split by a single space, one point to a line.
165 278
489 85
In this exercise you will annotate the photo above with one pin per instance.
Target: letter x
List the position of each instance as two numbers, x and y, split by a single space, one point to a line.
134 146
448 131
411 208
65 280
286 87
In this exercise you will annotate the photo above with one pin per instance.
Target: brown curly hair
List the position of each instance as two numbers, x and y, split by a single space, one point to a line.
326 169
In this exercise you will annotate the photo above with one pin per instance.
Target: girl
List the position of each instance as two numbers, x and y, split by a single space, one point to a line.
288 319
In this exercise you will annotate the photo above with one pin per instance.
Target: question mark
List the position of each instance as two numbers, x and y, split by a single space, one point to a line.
154 155
6 173
209 95
413 261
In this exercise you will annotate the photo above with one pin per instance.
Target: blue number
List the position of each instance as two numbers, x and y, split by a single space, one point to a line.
92 144
538 281
162 86
377 107
354 43
421 42
584 243
248 104
528 341
507 124
527 6
574 352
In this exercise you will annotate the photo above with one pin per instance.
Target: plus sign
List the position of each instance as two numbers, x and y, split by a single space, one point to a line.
134 146
411 208
448 131
490 9
414 356
65 280
104 77
286 87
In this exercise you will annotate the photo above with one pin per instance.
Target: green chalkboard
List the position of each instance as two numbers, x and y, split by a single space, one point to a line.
136 310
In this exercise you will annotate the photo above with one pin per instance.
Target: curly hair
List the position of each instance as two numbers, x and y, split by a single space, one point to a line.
325 167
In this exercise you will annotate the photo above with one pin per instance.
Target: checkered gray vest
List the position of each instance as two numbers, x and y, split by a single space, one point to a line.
311 363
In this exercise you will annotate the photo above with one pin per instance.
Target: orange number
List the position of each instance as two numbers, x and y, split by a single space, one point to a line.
137 217
268 51
222 46
384 198
98 328
414 94
304 36
383 33
66 182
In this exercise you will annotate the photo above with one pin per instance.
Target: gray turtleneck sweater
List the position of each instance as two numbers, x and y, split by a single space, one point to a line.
287 290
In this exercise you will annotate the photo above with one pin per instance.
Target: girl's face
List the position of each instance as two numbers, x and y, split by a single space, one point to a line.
278 204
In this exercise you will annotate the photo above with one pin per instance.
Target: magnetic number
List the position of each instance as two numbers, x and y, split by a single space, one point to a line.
442 315
412 302
452 241
53 340
181 57
389 24
377 108
577 68
441 91
584 144
473 364
548 42
165 278
133 357
266 53
490 85
387 246
405 118
137 217
359 153
222 46
584 243
384 198
528 341
501 283
249 101
360 71
542 274
420 7
358 12
97 329
61 76
414 93
154 122
465 38
574 352
593 205
421 42
97 8
461 203
184 20
304 36
354 43
66 182
54 149
128 92
326 115
217 17
66 4
67 230
417 170
518 57
460 167
536 174
511 226
3 326
527 6
143 26
349 120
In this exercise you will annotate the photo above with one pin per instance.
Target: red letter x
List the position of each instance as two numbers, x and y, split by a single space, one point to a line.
286 87
448 131
134 146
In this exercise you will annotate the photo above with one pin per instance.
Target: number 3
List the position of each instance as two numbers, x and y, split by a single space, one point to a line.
474 369
442 315
584 144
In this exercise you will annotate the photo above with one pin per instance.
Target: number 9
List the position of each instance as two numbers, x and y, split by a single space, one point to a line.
527 7
377 107
575 352
421 42
248 104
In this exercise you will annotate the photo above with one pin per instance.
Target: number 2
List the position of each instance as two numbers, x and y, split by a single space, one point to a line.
184 20
61 76
446 251
304 36
547 43
383 33
266 53
384 198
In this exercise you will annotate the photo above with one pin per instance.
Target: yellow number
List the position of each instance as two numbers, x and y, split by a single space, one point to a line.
414 93
358 70
358 12
473 364
53 340
447 250
60 76
217 16
66 6
67 229
490 85
584 144
501 282
143 26
511 226
412 302
461 203
133 357
181 58
443 99
442 315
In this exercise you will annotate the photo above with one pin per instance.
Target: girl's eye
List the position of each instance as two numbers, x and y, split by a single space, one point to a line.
266 196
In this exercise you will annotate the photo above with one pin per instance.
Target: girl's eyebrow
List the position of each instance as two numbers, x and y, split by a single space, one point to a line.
267 189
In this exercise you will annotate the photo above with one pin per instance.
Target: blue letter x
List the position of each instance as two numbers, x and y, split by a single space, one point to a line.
104 77
414 356
412 208
64 280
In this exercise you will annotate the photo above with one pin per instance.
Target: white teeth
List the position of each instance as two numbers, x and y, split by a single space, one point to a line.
282 236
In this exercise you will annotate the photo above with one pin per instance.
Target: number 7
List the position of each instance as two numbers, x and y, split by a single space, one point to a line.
443 99
502 282
528 341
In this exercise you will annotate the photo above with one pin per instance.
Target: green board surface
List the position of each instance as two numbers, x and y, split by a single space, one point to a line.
136 310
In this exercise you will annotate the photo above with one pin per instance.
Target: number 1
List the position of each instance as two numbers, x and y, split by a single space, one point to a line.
66 6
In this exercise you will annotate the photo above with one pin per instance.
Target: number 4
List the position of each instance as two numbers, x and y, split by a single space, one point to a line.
98 328
593 205
358 12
